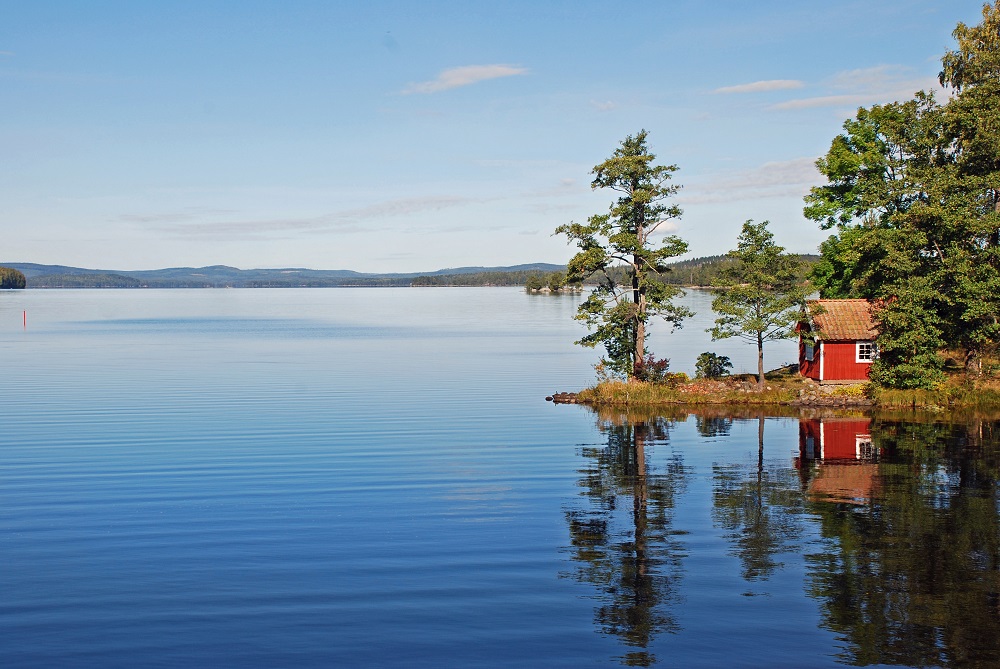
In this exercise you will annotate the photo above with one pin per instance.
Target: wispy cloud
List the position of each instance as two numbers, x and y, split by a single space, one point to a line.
6 53
458 77
189 214
404 207
872 85
762 86
221 225
851 100
607 105
773 179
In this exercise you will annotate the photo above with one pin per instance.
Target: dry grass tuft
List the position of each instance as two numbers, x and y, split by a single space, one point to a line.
696 392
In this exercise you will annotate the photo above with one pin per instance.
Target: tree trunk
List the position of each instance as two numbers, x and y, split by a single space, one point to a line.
973 363
639 299
760 361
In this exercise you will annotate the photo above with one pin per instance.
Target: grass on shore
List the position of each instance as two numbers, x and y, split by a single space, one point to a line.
955 394
621 393
783 386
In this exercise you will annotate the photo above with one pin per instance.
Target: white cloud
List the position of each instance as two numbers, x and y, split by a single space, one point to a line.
789 178
762 86
865 86
457 77
856 100
607 105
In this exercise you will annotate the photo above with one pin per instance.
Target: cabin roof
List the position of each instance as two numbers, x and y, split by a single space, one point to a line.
841 320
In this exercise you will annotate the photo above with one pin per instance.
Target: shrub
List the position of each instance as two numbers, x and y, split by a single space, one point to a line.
674 379
652 370
712 366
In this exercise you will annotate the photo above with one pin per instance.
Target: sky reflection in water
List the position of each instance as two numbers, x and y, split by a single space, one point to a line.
371 477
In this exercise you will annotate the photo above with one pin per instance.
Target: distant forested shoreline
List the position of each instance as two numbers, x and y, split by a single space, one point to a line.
695 272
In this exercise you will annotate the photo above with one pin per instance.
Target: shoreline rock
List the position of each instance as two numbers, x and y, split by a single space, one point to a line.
563 398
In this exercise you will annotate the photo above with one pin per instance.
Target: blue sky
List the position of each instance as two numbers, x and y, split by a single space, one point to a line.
409 136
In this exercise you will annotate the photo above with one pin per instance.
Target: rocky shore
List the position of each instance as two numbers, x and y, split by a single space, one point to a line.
816 395
703 391
563 398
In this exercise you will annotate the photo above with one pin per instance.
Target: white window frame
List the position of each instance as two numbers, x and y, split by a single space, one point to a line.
810 351
872 351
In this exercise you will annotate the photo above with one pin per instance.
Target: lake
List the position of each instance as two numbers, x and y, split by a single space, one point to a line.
371 477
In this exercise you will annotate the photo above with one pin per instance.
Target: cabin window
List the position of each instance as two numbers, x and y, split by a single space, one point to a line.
810 352
866 351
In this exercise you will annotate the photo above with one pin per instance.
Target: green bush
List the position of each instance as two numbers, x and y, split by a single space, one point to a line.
712 366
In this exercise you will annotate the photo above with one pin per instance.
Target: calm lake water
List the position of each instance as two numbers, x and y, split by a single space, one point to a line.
371 477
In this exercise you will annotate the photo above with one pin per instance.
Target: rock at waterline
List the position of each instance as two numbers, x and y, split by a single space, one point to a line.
562 398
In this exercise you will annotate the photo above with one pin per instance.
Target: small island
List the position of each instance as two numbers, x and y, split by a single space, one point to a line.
12 279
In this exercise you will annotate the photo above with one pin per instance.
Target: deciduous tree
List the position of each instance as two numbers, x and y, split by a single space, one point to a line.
914 190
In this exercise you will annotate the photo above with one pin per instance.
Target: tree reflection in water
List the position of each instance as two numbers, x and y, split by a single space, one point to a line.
911 575
899 521
622 539
760 509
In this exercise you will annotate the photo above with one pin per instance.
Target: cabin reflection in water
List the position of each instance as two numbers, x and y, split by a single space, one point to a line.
837 459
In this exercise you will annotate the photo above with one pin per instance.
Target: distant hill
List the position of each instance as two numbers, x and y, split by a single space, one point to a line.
693 272
221 276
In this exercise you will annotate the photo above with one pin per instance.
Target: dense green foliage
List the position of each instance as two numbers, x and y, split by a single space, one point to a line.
618 311
11 278
759 296
712 366
914 193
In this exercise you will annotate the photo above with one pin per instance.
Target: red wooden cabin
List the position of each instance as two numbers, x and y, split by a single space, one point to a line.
844 341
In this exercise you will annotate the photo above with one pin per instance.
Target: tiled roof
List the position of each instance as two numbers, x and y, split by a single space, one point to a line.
841 320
